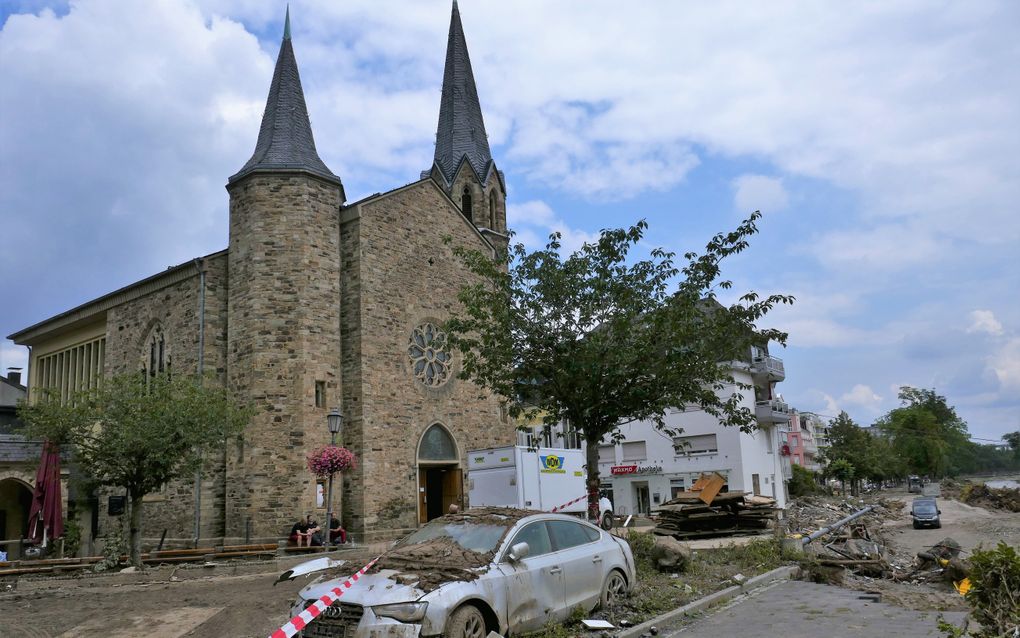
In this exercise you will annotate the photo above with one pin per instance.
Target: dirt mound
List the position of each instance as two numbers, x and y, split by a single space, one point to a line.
981 495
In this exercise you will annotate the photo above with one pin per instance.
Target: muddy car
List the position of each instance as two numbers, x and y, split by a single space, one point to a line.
925 513
465 575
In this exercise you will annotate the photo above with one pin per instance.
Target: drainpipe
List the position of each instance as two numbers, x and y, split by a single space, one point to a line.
201 366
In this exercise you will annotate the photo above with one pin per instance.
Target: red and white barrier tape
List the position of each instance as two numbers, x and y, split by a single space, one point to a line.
566 505
299 622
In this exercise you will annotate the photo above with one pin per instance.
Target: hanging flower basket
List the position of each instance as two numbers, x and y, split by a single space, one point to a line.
331 460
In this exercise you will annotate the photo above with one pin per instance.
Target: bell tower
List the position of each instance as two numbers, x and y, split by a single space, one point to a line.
283 336
463 165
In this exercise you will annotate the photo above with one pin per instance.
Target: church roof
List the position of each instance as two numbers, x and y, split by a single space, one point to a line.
285 139
461 131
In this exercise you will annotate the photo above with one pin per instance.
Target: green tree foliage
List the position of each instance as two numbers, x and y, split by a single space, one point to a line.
842 470
138 433
994 595
802 481
1013 439
598 339
927 434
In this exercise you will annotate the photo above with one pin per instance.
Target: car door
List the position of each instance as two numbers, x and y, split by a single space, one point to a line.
534 585
578 551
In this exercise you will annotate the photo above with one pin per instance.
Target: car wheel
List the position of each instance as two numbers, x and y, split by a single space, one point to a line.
466 622
614 589
916 526
607 521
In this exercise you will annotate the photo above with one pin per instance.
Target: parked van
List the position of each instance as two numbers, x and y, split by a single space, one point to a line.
925 512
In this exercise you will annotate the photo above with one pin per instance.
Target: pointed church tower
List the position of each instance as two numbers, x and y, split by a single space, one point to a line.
463 164
283 303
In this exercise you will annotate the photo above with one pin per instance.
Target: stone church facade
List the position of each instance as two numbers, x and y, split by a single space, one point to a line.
316 304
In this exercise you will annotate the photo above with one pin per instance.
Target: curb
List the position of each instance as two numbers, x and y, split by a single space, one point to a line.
780 573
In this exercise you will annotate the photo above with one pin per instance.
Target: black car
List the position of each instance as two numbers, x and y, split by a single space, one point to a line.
925 513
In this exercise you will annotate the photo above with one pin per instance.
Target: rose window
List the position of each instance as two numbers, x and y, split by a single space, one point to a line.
430 362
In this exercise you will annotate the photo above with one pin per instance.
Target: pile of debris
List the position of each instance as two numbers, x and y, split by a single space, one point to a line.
998 498
706 512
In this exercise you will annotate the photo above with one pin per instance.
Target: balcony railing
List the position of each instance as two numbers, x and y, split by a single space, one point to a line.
772 411
767 366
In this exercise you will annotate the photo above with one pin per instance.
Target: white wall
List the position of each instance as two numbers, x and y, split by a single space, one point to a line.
739 457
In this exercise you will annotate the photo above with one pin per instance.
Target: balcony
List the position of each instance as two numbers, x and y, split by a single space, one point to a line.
766 368
772 411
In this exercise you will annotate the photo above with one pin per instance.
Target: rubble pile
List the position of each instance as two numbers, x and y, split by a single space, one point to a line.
727 514
998 498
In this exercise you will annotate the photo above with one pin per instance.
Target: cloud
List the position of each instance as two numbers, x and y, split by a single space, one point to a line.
1006 365
862 396
529 219
985 321
759 192
885 247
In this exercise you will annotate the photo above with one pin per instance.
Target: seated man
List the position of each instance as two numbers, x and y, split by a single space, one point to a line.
299 533
336 531
314 533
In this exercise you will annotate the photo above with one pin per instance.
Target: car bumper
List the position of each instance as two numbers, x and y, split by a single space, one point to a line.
931 522
350 625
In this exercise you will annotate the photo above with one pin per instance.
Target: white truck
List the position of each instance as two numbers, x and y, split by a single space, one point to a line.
544 479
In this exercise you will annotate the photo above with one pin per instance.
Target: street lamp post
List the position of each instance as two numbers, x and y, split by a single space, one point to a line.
334 420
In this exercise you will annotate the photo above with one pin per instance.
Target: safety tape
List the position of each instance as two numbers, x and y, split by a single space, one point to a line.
566 505
299 622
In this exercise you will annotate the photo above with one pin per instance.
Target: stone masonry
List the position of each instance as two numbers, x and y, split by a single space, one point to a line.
282 337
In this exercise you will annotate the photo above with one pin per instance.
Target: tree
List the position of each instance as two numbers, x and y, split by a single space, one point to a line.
596 340
927 433
848 442
1013 439
842 470
138 432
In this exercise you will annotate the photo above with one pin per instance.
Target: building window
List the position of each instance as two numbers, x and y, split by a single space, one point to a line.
607 454
430 361
320 394
634 451
70 370
156 357
696 444
465 202
492 209
676 486
437 445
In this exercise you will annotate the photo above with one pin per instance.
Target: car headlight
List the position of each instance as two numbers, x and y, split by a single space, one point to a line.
404 612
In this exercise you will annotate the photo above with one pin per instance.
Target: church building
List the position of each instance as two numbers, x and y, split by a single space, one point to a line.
317 303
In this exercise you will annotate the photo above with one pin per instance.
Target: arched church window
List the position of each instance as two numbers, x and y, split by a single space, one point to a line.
492 210
156 357
430 360
465 202
437 445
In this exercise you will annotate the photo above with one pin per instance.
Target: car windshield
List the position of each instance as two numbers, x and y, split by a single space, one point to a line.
924 508
477 537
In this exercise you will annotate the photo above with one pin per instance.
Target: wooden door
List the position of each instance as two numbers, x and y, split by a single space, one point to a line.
453 488
423 510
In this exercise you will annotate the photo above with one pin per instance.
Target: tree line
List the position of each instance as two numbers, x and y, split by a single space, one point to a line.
924 436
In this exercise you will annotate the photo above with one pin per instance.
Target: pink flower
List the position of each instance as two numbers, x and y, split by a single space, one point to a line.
331 460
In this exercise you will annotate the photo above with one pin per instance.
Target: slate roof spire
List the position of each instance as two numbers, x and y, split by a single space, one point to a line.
285 141
461 131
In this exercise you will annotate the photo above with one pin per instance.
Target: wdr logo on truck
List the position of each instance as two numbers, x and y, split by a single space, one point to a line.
552 464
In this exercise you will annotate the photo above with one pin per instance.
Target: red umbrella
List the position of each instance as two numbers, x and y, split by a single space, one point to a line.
46 520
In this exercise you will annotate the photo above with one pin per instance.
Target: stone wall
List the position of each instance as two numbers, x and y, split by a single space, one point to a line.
176 308
283 336
407 275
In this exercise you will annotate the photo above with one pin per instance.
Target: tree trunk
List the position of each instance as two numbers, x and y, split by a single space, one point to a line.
842 486
591 450
135 542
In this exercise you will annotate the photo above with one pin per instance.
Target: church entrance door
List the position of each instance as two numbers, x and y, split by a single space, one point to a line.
440 479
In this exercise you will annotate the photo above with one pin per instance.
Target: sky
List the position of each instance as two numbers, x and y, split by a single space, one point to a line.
878 139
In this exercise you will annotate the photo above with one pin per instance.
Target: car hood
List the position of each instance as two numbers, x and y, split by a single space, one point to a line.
386 586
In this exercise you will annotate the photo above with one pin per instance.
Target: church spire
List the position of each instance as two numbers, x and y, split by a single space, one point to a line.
285 139
461 131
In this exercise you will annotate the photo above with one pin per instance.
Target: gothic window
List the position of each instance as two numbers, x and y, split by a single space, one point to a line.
437 445
465 202
430 360
156 354
492 209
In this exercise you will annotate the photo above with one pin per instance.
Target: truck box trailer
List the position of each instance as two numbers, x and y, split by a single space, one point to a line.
544 479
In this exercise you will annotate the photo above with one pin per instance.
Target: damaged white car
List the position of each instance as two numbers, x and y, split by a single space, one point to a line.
465 575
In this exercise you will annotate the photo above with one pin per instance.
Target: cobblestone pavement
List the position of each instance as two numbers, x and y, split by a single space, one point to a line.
797 609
